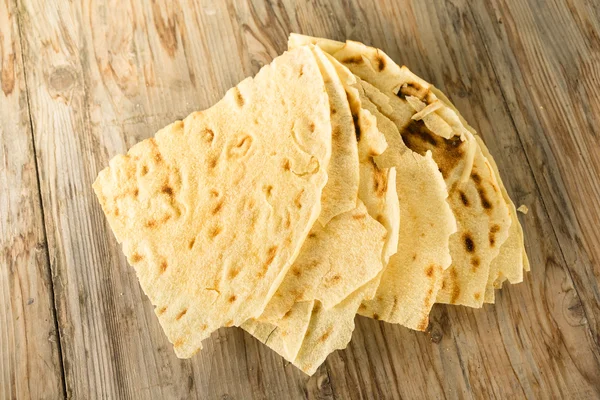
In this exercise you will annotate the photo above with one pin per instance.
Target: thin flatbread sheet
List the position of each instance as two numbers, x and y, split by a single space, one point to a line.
330 265
474 196
413 276
212 234
331 328
512 258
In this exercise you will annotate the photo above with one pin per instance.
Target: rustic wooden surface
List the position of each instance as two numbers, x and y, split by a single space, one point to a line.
82 81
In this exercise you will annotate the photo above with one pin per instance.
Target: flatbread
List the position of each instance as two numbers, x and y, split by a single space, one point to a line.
330 328
413 275
286 335
335 260
473 193
212 234
512 258
341 191
330 265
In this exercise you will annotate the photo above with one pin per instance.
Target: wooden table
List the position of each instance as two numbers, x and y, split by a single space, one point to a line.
83 81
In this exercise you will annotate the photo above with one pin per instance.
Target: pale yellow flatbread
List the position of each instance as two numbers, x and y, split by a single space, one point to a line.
512 258
474 196
331 328
341 191
330 265
286 336
213 211
335 260
413 275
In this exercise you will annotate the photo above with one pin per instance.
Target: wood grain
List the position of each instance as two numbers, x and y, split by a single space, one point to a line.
102 75
549 79
30 364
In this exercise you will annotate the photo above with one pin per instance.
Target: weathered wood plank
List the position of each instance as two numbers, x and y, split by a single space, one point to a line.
103 76
30 364
546 56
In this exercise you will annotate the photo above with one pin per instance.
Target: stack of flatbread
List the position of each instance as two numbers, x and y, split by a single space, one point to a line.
333 183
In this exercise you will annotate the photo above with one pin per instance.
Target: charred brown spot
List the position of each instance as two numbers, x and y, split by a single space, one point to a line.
476 178
214 193
312 235
362 307
446 152
376 316
333 111
144 170
359 216
203 327
353 60
429 271
469 244
414 257
455 288
191 243
208 135
150 223
297 272
268 189
181 314
412 89
217 207
270 257
492 235
168 190
428 297
335 279
285 164
161 310
157 158
233 272
301 71
287 222
485 203
422 326
136 192
463 198
380 62
475 263
311 127
394 305
136 257
287 314
239 99
214 232
232 298
178 343
298 198
212 162
325 335
477 296
163 267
